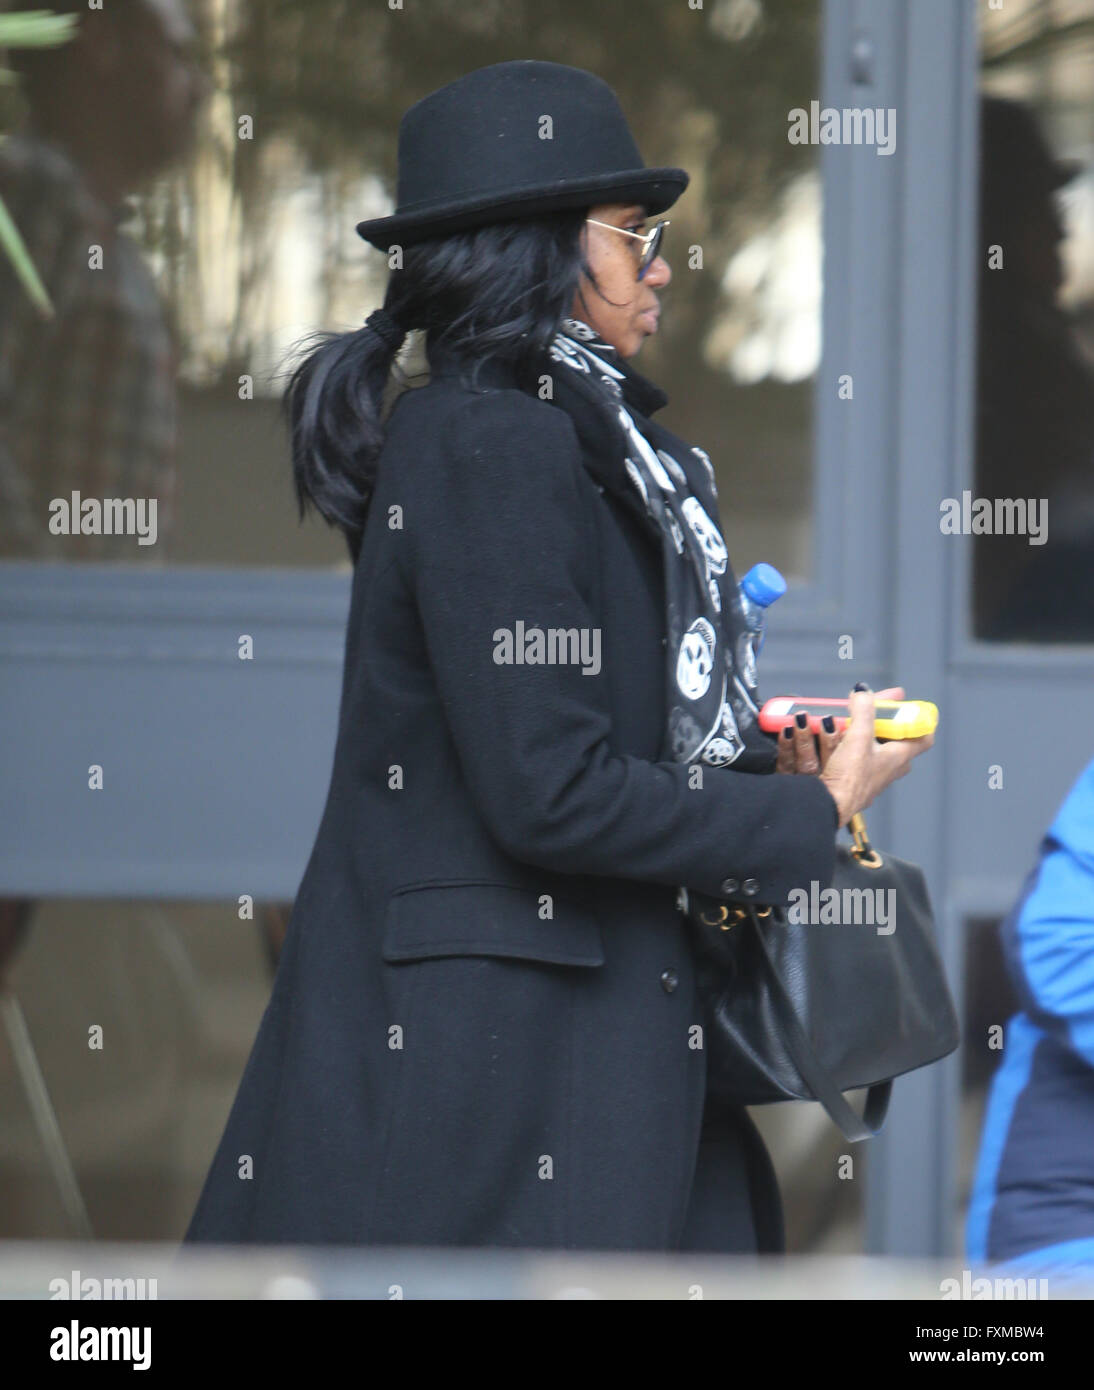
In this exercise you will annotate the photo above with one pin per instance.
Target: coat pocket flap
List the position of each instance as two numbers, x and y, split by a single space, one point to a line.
470 918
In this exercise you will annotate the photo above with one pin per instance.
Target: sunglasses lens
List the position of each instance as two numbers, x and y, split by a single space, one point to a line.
650 254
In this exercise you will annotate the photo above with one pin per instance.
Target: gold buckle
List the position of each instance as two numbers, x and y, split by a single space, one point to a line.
863 851
723 920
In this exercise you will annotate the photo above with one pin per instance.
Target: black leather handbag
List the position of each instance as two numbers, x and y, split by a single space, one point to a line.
843 992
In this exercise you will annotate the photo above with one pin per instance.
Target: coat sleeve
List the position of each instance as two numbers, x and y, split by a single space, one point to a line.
498 533
1049 934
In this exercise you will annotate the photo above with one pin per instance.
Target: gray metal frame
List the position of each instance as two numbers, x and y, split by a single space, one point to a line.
897 242
216 769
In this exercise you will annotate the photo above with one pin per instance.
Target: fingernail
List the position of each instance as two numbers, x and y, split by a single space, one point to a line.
788 732
802 721
829 724
861 685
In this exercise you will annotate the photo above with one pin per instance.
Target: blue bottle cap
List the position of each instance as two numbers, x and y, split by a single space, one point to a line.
763 584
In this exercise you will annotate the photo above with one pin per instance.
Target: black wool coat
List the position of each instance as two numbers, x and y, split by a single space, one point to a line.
483 1028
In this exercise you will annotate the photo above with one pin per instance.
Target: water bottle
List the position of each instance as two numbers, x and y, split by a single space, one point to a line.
759 589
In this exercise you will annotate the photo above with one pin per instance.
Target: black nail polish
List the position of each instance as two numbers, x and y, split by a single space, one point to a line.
829 724
861 685
802 721
788 732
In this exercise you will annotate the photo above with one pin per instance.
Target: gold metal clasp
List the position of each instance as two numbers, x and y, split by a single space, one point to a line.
723 919
863 851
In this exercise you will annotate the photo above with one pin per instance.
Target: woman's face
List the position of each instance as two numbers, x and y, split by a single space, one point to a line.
625 311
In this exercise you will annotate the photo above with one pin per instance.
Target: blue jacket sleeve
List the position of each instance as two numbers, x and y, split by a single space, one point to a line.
498 532
1049 936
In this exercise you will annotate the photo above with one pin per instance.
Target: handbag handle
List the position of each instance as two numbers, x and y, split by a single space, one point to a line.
863 851
855 1127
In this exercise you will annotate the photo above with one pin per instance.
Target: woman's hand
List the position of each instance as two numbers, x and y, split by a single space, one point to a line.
853 765
861 767
809 753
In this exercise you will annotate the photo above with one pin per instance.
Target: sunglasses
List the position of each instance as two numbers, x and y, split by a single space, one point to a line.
651 241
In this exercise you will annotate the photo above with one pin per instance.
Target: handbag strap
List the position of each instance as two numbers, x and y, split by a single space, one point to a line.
855 1127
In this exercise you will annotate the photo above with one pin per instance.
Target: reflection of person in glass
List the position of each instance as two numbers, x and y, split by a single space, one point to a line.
1032 1204
485 1027
88 397
1035 395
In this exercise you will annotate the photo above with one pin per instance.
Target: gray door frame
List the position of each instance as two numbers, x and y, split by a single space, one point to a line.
897 243
899 236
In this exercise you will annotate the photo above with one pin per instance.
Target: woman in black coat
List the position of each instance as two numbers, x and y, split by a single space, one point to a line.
484 1028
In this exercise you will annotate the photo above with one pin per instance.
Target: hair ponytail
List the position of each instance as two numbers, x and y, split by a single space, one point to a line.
495 291
333 403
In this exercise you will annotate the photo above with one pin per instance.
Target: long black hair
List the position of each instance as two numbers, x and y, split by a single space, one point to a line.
498 291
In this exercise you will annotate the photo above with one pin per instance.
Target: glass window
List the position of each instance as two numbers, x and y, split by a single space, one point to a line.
822 1178
126 1027
989 1002
1030 510
226 234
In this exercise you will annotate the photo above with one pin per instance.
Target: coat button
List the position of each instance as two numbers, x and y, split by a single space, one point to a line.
669 980
731 885
750 886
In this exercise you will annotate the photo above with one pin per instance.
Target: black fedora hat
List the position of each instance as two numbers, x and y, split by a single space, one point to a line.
513 140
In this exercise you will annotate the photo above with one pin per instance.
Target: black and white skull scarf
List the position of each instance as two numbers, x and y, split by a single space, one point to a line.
710 677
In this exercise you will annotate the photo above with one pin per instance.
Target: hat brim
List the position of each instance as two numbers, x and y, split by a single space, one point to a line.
655 189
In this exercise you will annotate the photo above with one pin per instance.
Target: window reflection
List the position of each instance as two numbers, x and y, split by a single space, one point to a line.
823 1194
88 388
1034 582
124 1030
227 218
178 991
988 1003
